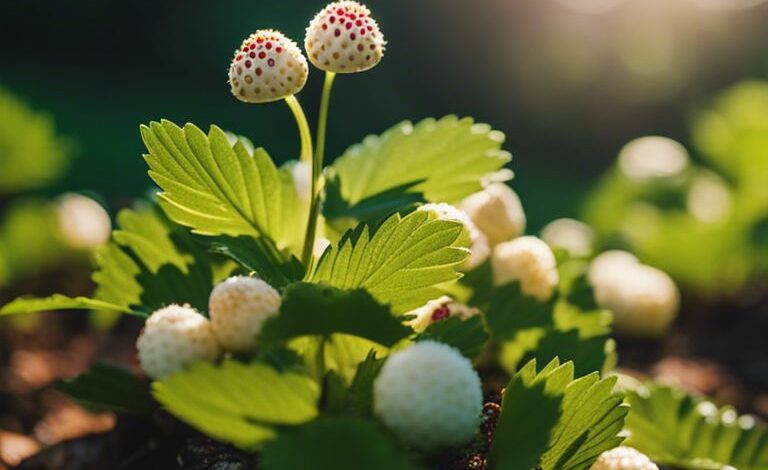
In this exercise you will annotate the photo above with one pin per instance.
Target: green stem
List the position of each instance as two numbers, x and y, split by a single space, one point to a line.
317 168
301 123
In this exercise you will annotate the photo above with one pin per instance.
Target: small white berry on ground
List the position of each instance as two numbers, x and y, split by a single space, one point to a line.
174 337
439 309
497 212
429 396
573 236
238 308
529 261
644 300
479 248
267 67
344 38
623 458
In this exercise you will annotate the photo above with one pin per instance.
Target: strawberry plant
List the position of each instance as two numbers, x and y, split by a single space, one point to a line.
382 311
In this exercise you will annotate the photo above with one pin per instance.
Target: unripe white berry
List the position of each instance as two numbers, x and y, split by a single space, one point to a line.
497 212
174 337
606 265
439 309
344 38
623 458
479 248
429 396
83 222
267 67
238 308
577 238
644 300
531 262
652 157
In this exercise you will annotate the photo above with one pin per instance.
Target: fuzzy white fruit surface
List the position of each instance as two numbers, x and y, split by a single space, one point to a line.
267 67
623 458
497 212
571 235
529 261
429 396
439 309
644 300
238 308
605 265
479 247
83 222
174 337
344 38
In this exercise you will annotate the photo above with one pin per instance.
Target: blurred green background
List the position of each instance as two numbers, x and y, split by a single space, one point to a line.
568 81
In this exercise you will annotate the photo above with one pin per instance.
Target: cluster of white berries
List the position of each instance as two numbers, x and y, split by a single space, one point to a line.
644 300
439 309
342 38
429 396
176 336
623 458
529 261
479 247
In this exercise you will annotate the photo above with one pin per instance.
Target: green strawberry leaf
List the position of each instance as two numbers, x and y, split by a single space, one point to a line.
216 188
338 443
109 388
254 254
400 262
444 160
317 310
677 429
242 404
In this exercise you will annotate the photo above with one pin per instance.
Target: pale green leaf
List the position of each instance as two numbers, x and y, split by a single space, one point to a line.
400 262
216 188
242 404
444 160
61 302
680 430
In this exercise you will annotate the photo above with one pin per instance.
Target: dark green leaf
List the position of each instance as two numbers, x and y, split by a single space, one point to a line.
340 443
109 388
468 336
529 413
510 312
313 309
259 255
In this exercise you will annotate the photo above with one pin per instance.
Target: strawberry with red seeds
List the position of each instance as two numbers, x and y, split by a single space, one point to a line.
267 67
344 38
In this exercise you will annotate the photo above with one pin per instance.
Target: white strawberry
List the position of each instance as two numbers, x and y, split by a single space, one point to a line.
429 396
238 308
174 337
623 458
267 67
344 38
531 262
497 212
